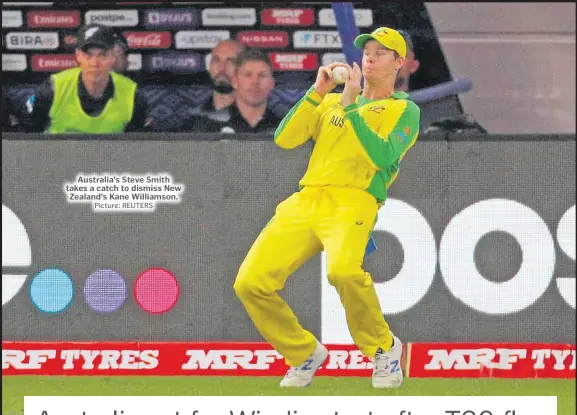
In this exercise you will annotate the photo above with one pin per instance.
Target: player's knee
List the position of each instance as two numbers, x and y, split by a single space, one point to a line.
244 288
341 275
246 284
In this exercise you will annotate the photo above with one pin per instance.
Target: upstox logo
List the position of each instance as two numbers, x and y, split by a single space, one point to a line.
16 254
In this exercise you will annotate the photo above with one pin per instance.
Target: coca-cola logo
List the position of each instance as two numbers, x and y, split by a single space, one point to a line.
287 17
56 18
148 40
53 63
257 39
294 61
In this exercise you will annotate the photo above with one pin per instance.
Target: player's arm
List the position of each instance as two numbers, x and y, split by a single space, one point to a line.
385 146
297 127
38 108
140 120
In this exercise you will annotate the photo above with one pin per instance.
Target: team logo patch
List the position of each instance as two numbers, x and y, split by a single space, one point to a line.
376 109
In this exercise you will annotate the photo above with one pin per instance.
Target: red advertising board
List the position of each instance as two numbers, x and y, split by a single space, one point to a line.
287 17
491 360
53 62
53 18
148 40
294 61
432 360
263 39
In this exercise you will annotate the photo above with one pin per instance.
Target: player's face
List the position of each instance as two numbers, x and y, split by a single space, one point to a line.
253 83
96 62
221 67
121 62
379 62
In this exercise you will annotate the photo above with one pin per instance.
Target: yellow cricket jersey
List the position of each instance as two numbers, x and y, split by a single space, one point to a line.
359 146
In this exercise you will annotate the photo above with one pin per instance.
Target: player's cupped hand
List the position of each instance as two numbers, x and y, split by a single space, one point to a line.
324 82
352 86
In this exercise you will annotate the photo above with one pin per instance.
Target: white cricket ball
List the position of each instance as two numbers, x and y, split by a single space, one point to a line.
340 75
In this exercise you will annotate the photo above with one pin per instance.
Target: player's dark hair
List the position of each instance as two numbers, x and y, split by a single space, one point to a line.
252 55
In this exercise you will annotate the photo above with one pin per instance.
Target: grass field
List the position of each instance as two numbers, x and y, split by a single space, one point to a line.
15 387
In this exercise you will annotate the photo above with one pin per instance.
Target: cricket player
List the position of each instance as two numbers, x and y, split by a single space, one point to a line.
360 137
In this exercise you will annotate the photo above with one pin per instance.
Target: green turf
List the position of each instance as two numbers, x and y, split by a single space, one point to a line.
15 387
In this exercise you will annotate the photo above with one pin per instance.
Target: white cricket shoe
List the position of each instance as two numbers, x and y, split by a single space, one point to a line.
387 372
302 376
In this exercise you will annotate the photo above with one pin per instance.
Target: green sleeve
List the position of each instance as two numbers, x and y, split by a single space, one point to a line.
297 127
385 149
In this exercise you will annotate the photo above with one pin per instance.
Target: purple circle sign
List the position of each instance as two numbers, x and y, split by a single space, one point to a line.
105 291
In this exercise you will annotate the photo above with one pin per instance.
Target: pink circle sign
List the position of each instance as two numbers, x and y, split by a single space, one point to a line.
156 290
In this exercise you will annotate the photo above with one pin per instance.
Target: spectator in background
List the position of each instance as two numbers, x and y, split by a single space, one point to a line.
121 53
249 113
410 66
91 98
221 71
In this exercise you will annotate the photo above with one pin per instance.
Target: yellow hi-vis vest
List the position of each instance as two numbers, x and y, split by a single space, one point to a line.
67 115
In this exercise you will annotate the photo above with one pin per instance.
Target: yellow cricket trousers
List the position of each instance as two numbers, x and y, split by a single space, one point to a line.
340 220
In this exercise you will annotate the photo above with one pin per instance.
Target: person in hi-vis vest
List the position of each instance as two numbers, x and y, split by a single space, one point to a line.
91 98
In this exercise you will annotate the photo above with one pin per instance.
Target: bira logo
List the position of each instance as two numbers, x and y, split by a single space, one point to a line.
32 40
